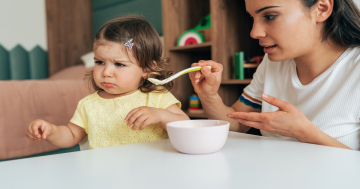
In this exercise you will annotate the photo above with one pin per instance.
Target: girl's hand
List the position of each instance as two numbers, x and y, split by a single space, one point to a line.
145 115
287 121
206 82
38 130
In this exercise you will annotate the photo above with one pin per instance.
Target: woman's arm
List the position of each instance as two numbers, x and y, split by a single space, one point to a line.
60 136
314 135
206 84
216 109
287 121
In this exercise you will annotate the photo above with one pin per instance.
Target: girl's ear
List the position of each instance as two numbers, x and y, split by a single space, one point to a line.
147 71
324 9
154 65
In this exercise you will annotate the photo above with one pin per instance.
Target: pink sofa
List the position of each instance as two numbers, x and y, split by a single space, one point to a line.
53 99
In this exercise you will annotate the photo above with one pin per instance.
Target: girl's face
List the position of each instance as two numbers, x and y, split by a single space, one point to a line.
285 28
116 71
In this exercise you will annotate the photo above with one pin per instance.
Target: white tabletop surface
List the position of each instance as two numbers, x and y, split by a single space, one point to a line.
246 161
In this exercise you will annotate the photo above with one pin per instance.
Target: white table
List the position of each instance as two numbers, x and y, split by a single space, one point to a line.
246 161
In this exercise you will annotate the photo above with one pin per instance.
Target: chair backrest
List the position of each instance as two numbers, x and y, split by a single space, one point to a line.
84 144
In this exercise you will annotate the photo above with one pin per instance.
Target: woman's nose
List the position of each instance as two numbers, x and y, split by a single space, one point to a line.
257 31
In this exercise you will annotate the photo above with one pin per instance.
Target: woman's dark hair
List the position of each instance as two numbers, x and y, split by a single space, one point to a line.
147 49
343 25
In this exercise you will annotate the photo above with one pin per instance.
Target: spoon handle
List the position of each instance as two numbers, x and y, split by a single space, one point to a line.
188 70
192 69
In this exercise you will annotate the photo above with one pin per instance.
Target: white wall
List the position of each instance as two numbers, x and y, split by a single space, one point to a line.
357 2
23 22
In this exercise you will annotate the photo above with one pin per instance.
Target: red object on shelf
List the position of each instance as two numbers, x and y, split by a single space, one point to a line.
191 41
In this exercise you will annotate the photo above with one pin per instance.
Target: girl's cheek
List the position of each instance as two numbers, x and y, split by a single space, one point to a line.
96 76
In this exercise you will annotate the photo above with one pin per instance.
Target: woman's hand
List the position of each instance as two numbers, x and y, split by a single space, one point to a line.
287 121
143 116
206 82
38 130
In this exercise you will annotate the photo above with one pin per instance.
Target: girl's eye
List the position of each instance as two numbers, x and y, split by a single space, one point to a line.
270 17
119 64
99 62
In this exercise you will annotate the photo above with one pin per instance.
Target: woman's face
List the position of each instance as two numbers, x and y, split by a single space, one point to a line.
285 28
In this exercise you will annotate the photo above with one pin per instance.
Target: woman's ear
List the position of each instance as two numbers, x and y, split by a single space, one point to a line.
324 8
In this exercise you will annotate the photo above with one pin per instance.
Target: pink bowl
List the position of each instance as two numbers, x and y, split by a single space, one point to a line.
198 136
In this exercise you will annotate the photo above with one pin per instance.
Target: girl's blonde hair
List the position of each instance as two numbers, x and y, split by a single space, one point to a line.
147 49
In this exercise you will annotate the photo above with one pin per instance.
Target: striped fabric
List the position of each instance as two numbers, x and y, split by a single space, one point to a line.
246 99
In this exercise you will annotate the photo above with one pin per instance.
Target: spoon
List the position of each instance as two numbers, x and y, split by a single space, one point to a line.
162 82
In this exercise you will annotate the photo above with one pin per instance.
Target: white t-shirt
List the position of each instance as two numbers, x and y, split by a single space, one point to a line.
331 101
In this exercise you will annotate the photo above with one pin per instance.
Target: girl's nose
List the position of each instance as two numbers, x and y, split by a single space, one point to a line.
257 31
107 72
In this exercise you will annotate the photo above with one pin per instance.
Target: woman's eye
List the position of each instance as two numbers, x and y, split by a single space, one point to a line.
99 62
119 64
270 17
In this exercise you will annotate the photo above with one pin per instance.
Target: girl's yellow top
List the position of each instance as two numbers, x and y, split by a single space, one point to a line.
103 119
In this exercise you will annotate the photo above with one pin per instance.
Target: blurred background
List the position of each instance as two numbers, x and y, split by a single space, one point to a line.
23 22
46 46
24 27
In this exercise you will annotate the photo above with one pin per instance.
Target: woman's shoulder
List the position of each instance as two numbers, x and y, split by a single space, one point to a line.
352 56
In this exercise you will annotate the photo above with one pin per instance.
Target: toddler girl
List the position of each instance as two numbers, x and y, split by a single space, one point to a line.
126 108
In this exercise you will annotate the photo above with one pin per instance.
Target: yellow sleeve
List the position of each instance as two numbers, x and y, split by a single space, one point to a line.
168 99
80 117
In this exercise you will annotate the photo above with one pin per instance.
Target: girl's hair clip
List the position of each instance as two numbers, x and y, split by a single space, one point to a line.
129 44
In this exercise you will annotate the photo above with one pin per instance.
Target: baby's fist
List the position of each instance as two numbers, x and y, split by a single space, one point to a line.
39 129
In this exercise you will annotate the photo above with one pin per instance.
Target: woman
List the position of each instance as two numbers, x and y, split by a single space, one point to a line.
307 87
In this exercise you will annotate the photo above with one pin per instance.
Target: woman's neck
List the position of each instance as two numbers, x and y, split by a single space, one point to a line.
317 61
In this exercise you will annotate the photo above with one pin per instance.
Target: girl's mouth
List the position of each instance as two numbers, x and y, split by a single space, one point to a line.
269 49
107 85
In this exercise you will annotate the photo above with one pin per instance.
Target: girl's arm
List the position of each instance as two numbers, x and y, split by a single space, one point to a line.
60 136
173 113
145 116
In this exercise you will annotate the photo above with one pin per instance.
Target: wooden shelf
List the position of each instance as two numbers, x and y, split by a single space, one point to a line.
196 115
250 65
198 47
236 81
230 29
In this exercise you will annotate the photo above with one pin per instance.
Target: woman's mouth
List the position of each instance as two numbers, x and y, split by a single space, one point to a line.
107 85
269 49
